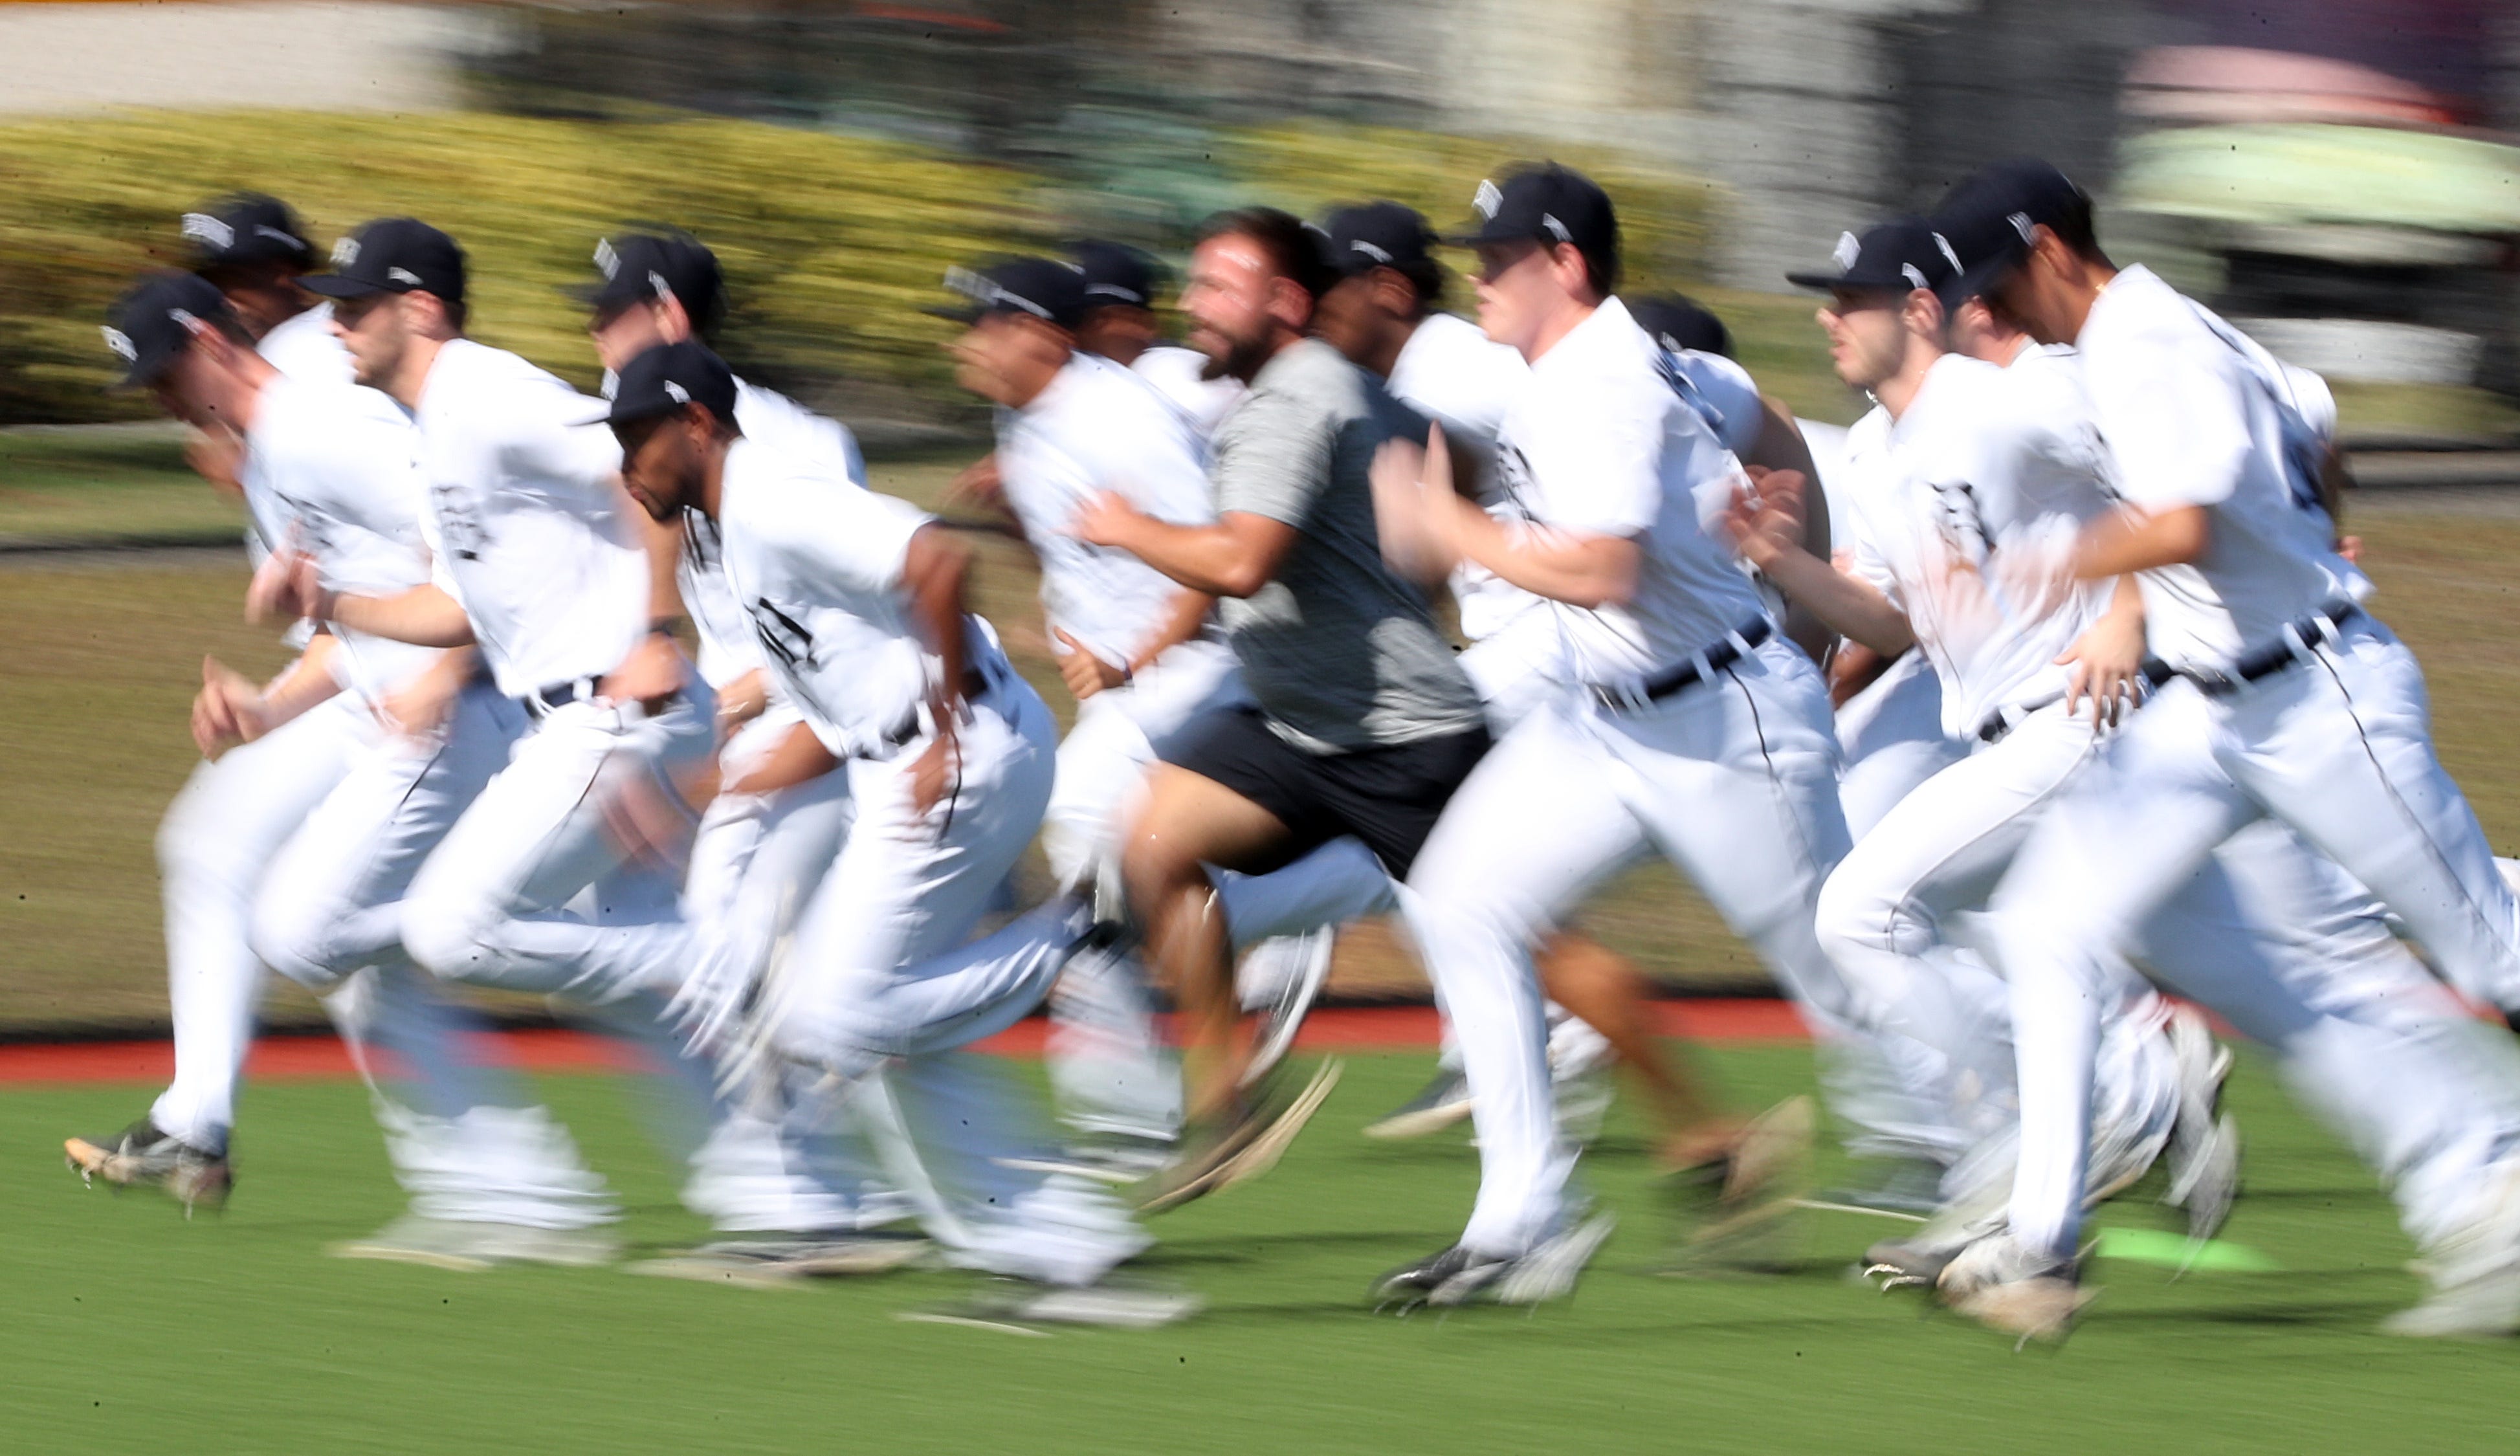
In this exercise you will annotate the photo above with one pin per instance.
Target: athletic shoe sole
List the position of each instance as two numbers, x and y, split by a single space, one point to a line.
1259 1150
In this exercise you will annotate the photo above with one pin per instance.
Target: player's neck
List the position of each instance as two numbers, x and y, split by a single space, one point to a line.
410 375
1561 321
1900 390
1385 357
713 479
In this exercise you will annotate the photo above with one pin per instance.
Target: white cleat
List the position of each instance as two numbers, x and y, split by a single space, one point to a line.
2008 1288
2475 1274
468 1247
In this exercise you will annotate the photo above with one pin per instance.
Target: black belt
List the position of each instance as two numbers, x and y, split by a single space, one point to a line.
550 697
1724 653
977 681
2300 638
1994 725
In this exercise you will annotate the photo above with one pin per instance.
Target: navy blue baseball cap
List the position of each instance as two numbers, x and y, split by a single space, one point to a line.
245 228
664 379
1544 202
1989 220
1116 274
1039 287
1896 257
1376 235
639 267
1681 323
151 323
392 255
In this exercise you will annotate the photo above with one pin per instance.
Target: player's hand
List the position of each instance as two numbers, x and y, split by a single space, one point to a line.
218 457
1407 518
288 587
1086 674
1763 519
2105 665
419 706
228 711
938 769
740 701
979 485
648 815
2350 547
1105 518
655 671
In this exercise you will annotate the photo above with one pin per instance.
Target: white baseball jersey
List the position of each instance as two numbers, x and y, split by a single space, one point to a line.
1599 443
1179 375
1986 462
728 649
1097 426
304 347
333 462
1451 372
2196 414
816 560
530 524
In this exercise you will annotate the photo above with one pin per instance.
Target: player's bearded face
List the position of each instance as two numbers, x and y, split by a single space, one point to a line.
376 330
659 467
1865 337
1228 296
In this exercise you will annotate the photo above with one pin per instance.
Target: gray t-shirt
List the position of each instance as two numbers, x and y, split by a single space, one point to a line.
1340 652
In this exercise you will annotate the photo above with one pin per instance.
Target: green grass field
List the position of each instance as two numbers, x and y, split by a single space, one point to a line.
130 1329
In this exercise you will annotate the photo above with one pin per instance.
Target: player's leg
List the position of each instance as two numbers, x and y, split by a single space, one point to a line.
2341 749
1533 828
1892 737
492 904
232 817
2116 845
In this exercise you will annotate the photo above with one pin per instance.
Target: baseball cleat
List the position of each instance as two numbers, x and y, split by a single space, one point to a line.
1015 1305
2006 1287
471 1247
1299 964
1742 1203
1242 1151
1117 1159
2474 1273
2204 1155
1438 1105
786 1262
1460 1275
141 1156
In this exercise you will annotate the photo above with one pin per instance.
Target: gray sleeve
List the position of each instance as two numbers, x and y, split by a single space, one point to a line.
1274 457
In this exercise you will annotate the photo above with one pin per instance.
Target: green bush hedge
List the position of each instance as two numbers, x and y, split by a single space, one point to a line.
831 243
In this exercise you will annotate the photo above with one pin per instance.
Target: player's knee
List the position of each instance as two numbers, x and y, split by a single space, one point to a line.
288 934
446 931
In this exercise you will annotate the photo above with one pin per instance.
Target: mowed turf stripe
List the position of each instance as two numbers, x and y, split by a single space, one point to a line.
1740 1022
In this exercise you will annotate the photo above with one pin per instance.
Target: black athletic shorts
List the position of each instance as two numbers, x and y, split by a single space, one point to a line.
1387 797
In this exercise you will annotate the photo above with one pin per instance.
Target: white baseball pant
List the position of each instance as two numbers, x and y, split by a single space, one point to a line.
882 973
492 906
233 815
1893 740
1733 780
755 862
2339 748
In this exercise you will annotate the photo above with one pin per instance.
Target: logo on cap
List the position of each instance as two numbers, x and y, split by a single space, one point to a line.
2021 225
1487 199
208 229
345 253
1914 275
1848 250
605 258
402 275
120 342
677 393
1550 221
656 280
1949 253
266 230
1369 249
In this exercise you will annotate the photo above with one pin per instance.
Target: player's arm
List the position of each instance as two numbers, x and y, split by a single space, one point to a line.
1781 448
229 709
798 757
2133 539
1086 673
1766 524
934 572
2105 663
290 586
656 668
1234 556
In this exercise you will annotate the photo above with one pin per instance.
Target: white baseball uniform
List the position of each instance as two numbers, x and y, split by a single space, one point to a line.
1181 376
881 966
1733 776
2329 736
232 817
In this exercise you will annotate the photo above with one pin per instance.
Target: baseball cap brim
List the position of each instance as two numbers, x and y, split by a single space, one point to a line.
1852 282
343 286
143 370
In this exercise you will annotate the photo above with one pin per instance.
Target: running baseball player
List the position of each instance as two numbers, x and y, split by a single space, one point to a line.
780 812
858 601
247 798
1120 324
540 565
2280 697
1688 725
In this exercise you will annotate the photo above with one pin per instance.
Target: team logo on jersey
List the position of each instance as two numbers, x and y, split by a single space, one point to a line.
120 342
201 227
1487 199
345 253
1848 250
